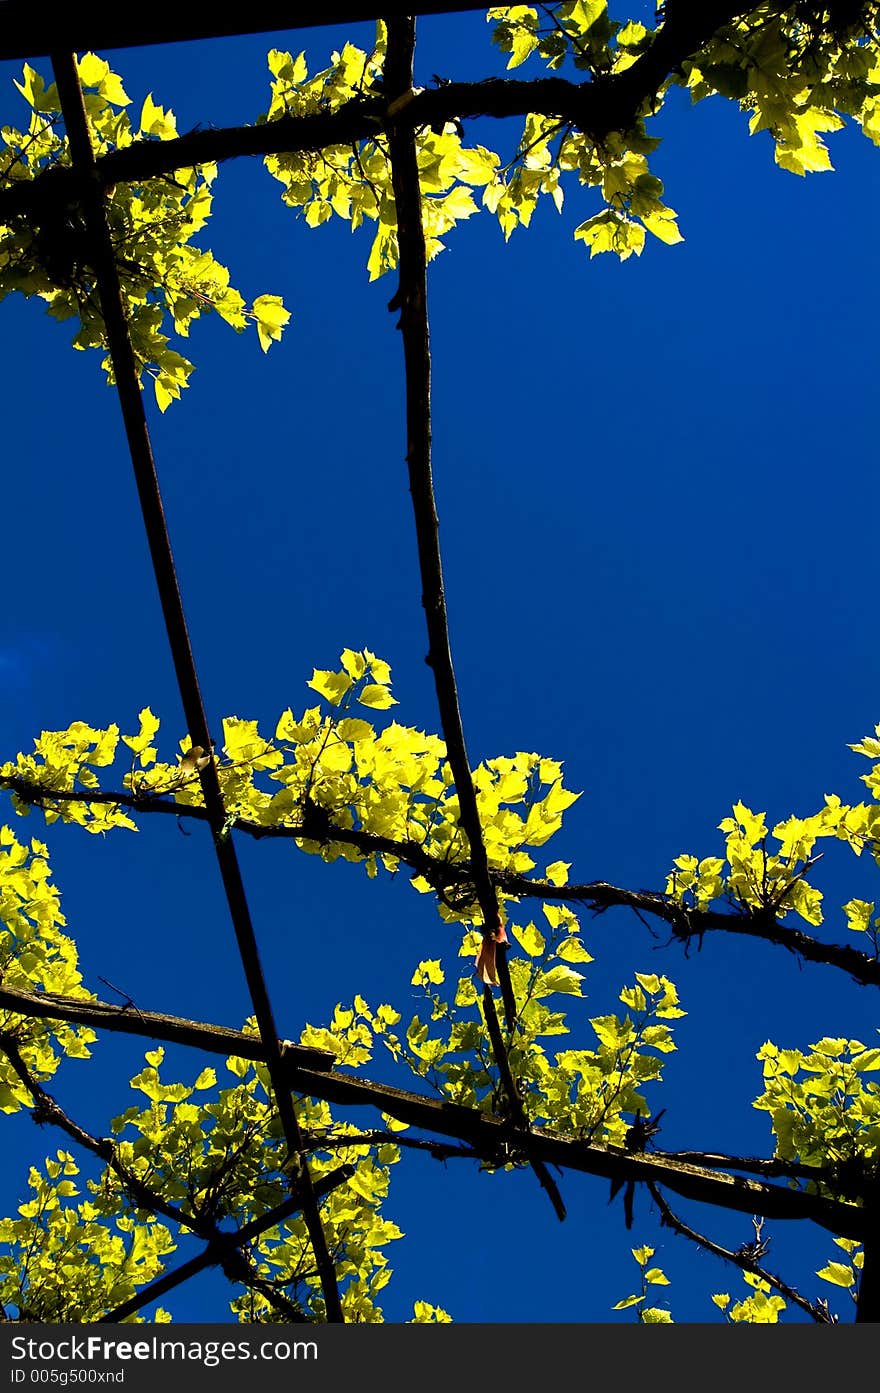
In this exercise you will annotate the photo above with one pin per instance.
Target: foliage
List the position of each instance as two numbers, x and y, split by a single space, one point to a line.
651 1277
216 1152
797 76
163 275
343 781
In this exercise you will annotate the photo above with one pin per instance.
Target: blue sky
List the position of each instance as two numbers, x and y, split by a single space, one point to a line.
656 484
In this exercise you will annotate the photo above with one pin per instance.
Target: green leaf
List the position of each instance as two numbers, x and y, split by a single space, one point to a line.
379 698
428 971
271 317
571 950
333 686
838 1274
92 70
530 939
560 979
352 729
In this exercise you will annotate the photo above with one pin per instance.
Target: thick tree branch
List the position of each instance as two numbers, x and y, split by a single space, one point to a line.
495 1141
128 1019
868 1302
594 107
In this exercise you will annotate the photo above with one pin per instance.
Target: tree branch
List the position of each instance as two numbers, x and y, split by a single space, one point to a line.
495 1141
598 107
221 1250
868 1302
412 301
754 1165
438 1151
128 389
46 1109
235 1264
685 924
816 1312
153 1025
104 24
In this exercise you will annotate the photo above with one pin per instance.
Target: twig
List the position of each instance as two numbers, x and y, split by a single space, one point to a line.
46 1109
753 1165
597 895
438 1151
818 1313
235 1264
221 1249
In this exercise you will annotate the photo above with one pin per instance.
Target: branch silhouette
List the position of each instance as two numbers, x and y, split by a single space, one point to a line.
495 1140
685 924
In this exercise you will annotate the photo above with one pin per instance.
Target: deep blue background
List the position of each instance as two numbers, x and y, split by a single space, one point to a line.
657 491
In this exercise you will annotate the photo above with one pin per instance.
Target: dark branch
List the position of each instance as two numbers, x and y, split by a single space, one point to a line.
106 24
597 108
47 1110
868 1302
235 1264
128 389
597 895
751 1165
439 1151
412 301
153 1025
222 1249
740 1259
495 1141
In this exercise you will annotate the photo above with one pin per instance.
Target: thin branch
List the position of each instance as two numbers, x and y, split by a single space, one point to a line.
753 1165
128 389
240 1267
438 1151
685 923
411 300
221 1248
818 1313
235 1264
47 1109
568 37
